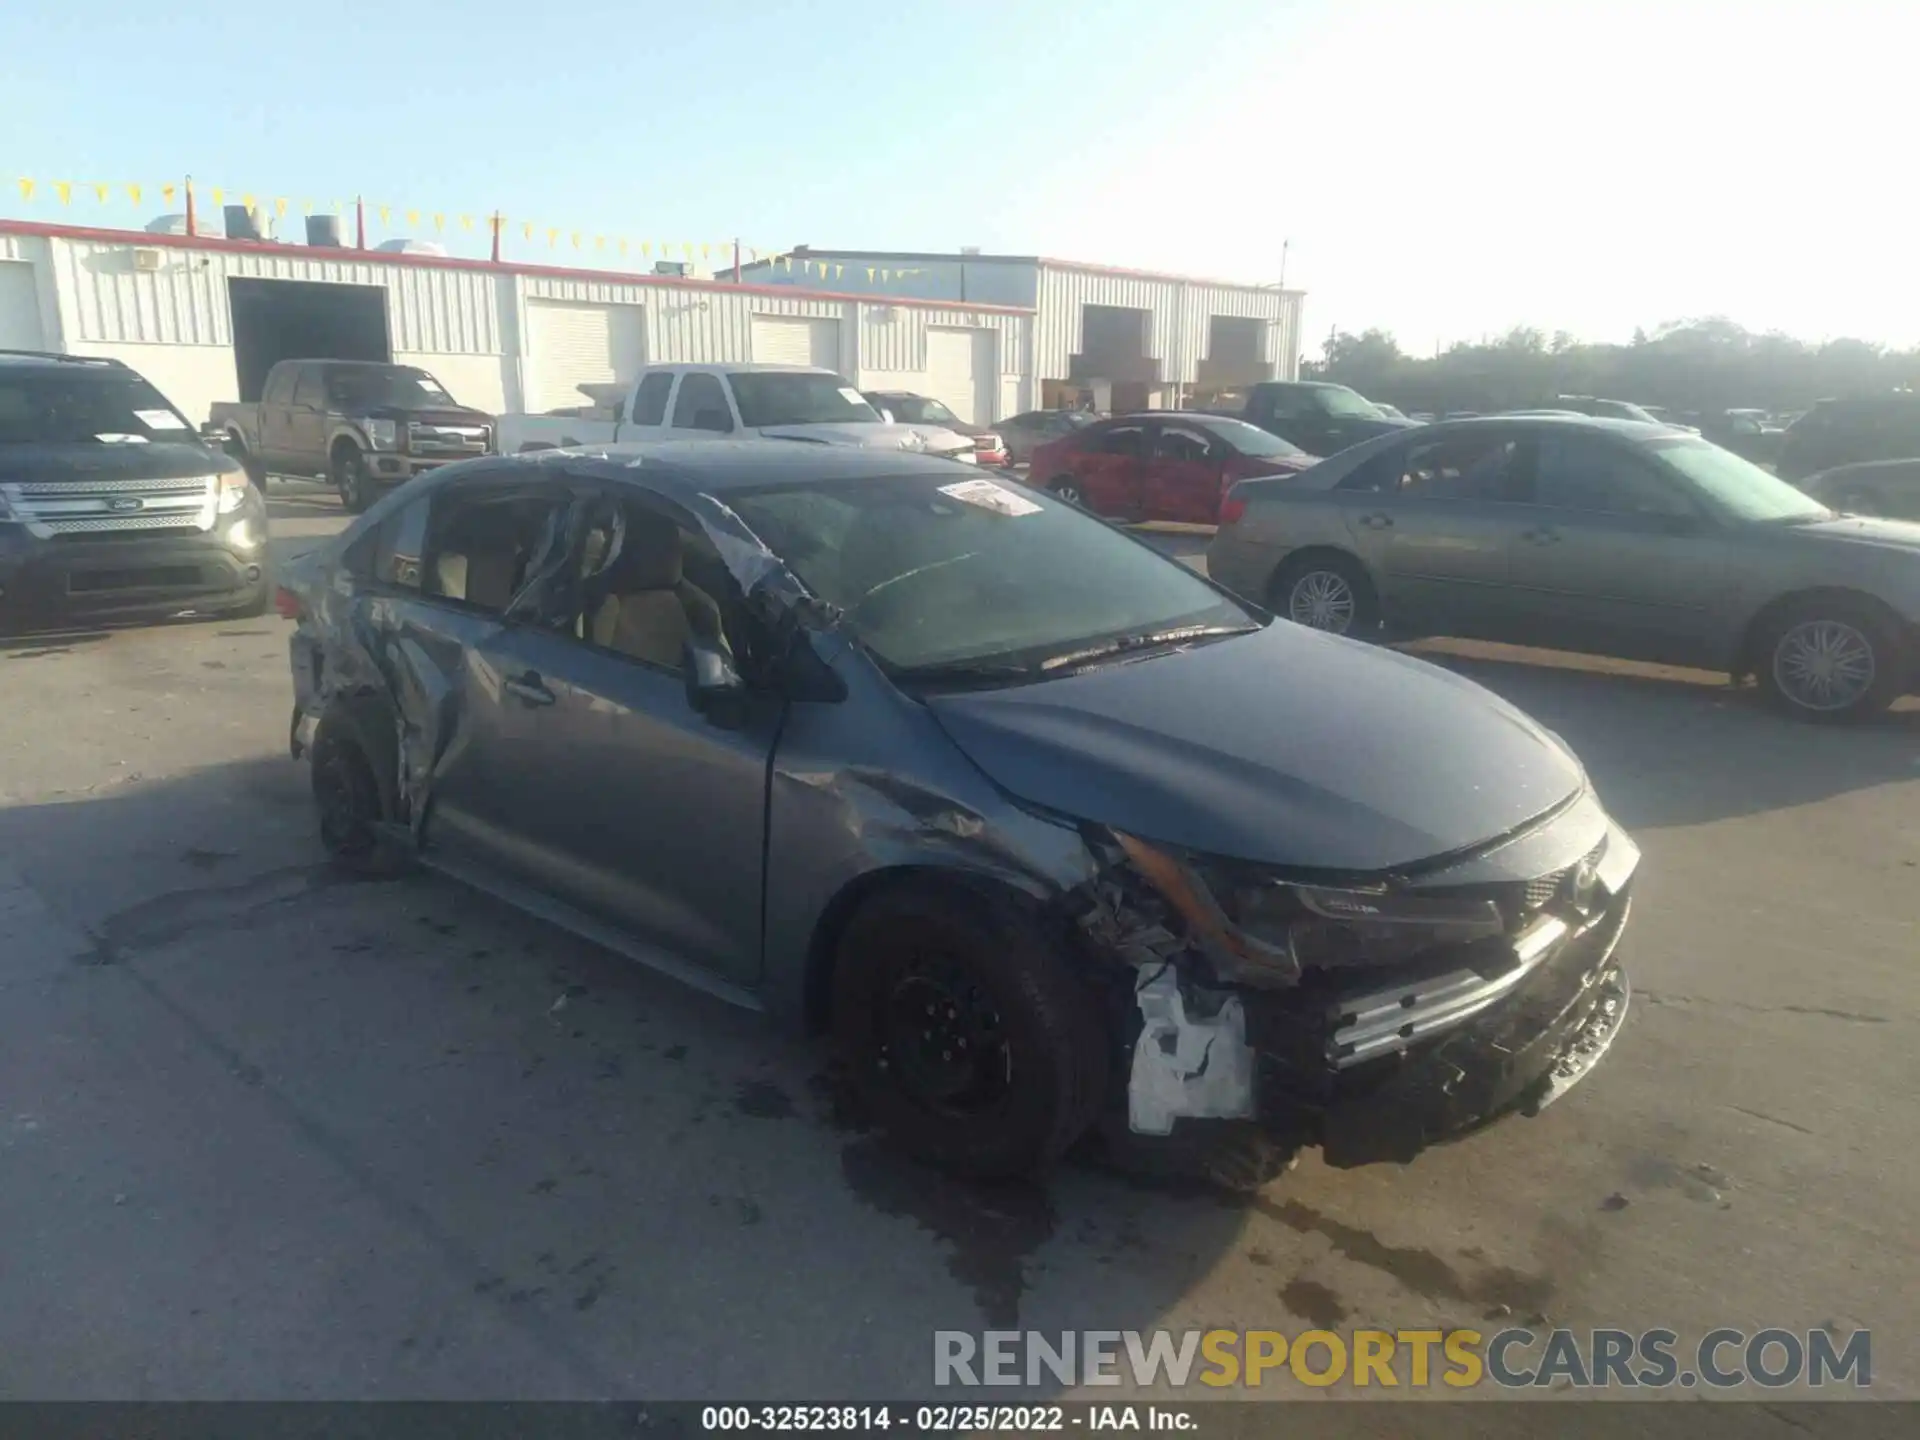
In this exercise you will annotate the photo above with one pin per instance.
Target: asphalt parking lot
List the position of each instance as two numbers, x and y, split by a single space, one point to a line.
267 1134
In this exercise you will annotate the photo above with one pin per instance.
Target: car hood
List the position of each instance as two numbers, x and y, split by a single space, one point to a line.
1862 530
88 463
1286 747
872 435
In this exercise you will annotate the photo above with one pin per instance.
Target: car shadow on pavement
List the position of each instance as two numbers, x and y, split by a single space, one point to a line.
1685 748
473 1123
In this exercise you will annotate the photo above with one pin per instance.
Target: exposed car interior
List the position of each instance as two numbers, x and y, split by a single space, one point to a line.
638 601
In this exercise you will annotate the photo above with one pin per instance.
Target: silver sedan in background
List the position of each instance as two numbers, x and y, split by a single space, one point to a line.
1603 536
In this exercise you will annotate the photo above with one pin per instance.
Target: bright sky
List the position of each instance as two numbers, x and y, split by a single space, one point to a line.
1442 170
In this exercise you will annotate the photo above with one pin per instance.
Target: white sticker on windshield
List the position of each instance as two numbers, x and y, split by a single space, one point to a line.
159 419
989 496
852 396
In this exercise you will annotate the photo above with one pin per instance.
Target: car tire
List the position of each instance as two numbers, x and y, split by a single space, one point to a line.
1324 590
350 478
991 985
353 805
1067 489
1831 660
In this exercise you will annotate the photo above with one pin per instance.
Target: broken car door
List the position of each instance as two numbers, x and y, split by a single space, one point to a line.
627 805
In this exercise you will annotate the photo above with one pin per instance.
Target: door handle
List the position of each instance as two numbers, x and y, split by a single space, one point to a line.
1377 522
530 689
1545 535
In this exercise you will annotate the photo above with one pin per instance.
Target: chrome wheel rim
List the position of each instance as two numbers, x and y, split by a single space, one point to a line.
1322 600
1068 493
1824 665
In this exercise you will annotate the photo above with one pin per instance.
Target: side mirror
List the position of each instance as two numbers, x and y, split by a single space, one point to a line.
214 434
714 686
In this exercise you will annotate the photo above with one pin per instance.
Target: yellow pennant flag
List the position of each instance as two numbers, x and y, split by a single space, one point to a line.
527 229
838 271
386 214
413 217
247 200
133 193
646 248
64 189
280 206
623 247
704 252
752 254
166 193
306 207
218 194
553 238
466 222
575 237
26 188
886 274
100 193
599 242
439 223
870 274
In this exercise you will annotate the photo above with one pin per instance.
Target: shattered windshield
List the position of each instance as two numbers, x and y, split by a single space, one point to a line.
929 571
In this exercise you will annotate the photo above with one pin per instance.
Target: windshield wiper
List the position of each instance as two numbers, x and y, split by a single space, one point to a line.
966 671
1145 640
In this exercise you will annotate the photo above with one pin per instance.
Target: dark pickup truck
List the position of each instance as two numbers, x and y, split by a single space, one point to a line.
1321 418
364 426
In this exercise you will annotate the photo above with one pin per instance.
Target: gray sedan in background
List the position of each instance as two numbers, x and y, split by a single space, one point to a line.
1602 536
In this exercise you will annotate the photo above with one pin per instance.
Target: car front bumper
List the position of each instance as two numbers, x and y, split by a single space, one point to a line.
155 575
390 468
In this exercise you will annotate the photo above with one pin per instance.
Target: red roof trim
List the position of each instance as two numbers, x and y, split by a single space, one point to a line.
487 267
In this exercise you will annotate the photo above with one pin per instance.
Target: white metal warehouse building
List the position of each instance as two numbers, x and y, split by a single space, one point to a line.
205 317
1121 339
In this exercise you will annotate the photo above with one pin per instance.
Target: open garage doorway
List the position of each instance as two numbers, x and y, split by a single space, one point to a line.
275 320
1113 365
1233 361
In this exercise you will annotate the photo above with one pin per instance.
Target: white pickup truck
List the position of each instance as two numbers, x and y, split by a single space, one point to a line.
716 402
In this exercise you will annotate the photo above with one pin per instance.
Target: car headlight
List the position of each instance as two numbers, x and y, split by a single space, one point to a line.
1257 929
384 434
232 491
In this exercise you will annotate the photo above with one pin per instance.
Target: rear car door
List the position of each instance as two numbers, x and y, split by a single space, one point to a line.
648 417
1436 519
276 413
624 803
1615 556
306 420
1107 463
1180 479
701 409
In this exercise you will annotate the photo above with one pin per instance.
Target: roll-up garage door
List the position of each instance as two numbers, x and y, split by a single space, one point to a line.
573 345
959 365
19 307
796 340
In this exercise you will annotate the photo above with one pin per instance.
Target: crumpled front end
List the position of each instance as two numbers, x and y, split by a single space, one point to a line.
1373 1016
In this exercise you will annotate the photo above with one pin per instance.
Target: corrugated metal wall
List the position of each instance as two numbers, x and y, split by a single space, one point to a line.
894 337
184 301
1179 313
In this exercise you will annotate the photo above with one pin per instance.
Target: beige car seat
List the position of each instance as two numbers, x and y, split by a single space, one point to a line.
650 611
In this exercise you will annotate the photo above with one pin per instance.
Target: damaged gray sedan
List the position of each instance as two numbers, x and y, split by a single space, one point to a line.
1053 834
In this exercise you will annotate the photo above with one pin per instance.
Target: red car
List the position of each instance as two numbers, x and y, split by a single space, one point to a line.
1172 465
